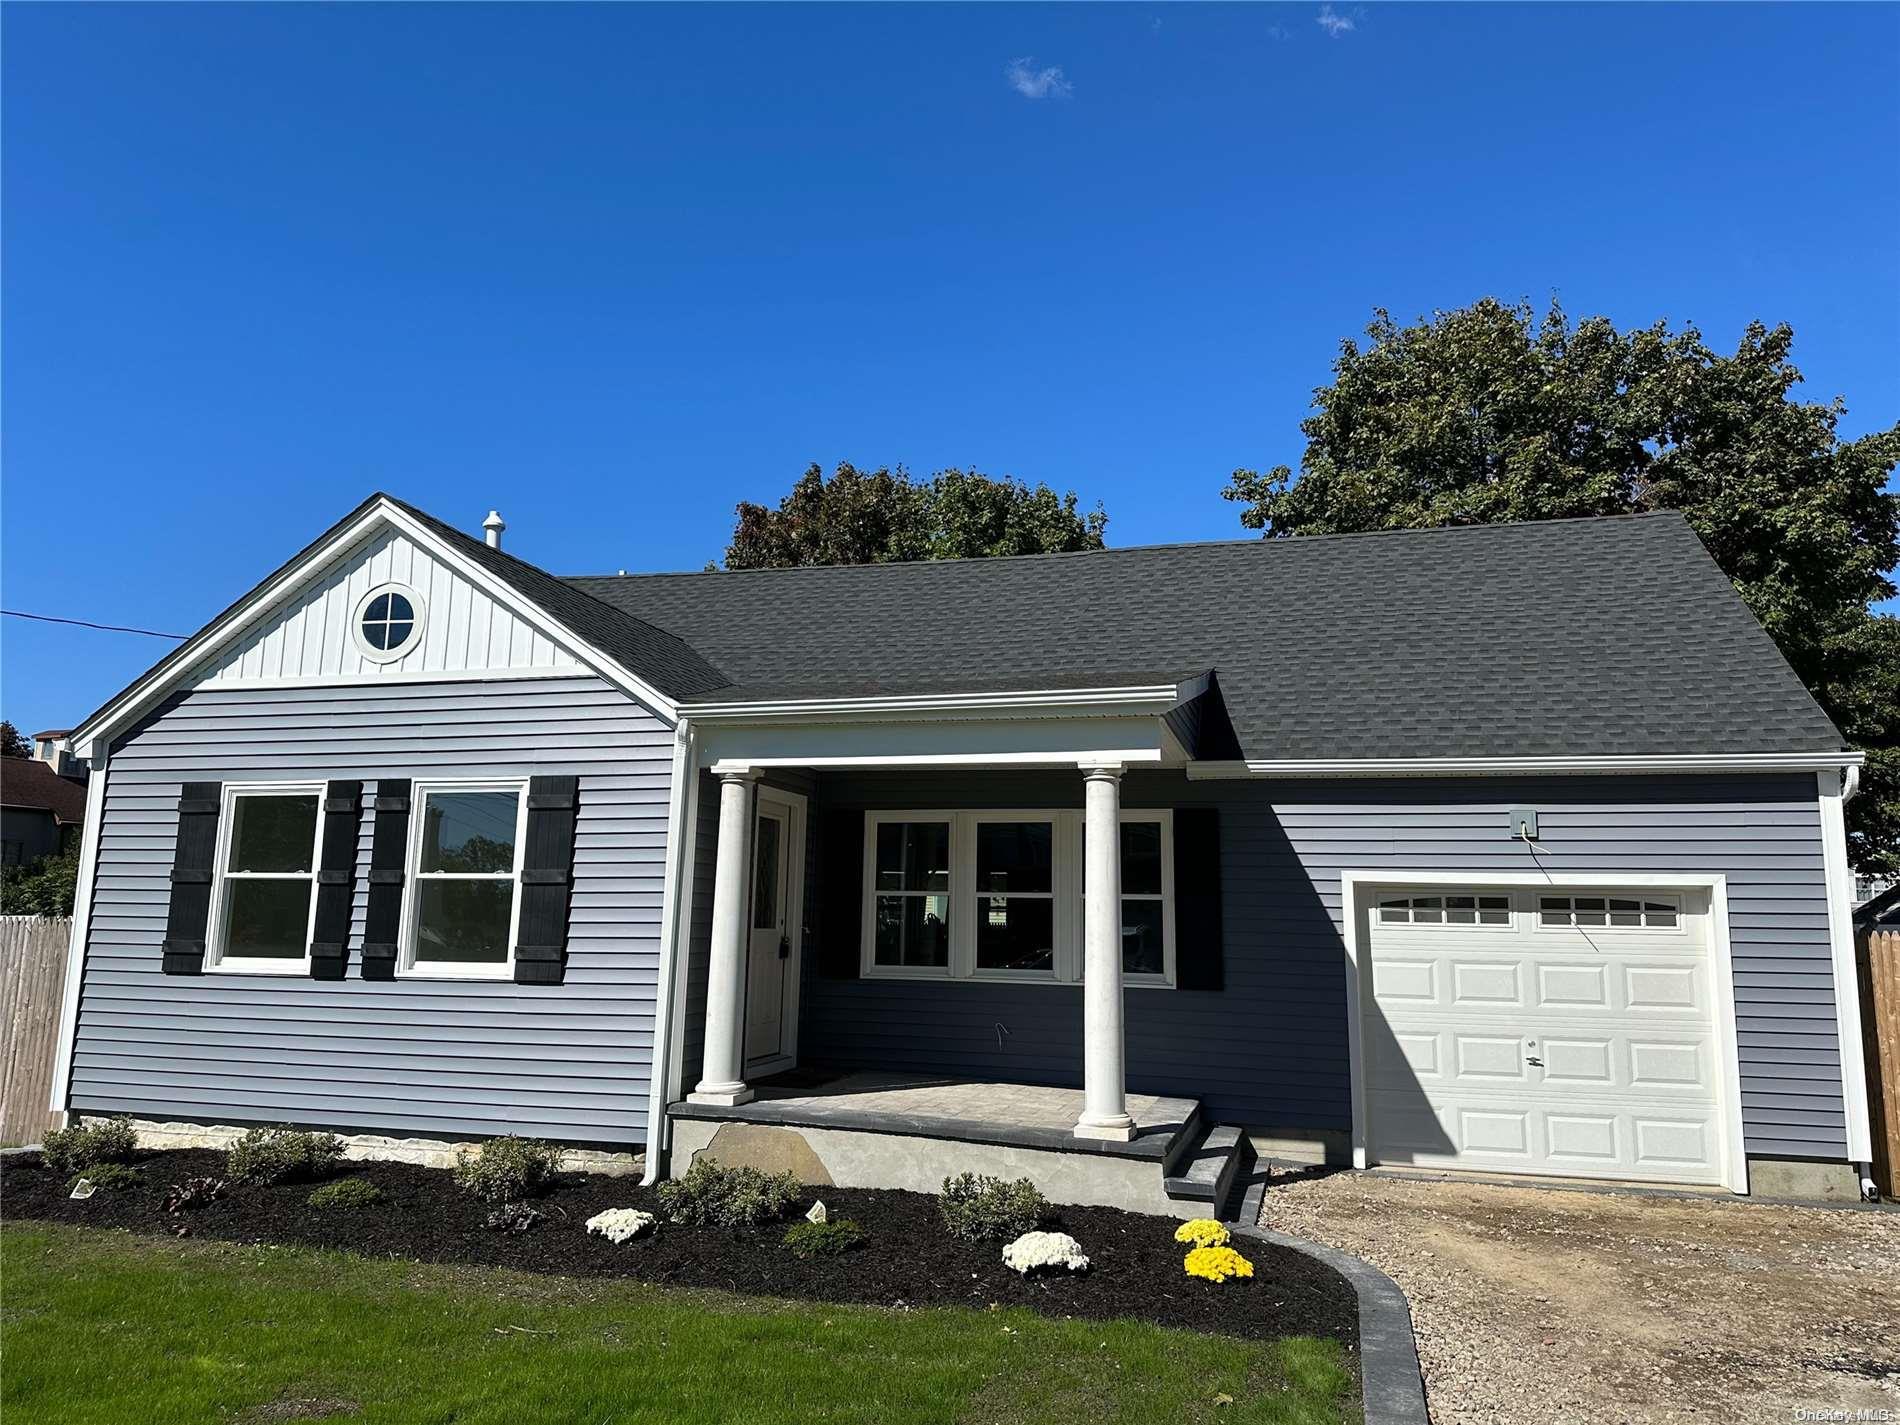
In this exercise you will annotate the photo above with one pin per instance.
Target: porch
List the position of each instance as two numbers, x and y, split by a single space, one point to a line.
910 1131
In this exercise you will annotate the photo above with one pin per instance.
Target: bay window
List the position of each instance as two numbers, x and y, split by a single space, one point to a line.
997 895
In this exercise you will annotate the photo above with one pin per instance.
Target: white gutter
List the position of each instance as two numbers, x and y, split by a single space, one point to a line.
76 943
1122 701
675 918
1521 766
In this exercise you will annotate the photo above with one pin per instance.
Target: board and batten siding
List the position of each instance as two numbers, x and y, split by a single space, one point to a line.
311 634
417 1058
1270 1050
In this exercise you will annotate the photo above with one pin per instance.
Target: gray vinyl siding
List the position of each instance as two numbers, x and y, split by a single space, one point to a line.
1270 1049
408 1057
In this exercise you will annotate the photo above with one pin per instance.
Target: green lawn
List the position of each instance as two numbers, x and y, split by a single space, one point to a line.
106 1327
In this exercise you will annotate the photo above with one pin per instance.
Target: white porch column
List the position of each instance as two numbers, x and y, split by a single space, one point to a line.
1104 1075
722 1079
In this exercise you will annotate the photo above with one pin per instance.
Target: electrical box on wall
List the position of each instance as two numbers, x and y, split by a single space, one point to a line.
1524 824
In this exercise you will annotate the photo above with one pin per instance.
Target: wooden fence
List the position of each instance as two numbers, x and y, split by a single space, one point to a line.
32 982
1879 961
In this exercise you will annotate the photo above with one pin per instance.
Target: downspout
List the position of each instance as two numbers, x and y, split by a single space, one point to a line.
673 915
1869 1189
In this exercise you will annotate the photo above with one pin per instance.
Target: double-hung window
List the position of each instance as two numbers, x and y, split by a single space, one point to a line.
463 897
910 900
998 895
264 900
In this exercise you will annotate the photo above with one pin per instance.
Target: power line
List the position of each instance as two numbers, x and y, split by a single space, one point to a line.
105 627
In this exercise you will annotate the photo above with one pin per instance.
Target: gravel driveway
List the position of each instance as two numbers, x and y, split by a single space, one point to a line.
1537 1304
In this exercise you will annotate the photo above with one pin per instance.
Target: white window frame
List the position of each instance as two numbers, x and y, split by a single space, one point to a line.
1505 926
867 934
408 966
963 894
216 961
1606 895
409 644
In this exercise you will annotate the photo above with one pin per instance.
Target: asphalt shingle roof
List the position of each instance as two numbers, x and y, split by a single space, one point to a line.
1592 637
29 783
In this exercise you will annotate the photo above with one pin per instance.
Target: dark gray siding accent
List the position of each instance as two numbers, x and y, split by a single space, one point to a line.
1270 1049
423 1058
705 858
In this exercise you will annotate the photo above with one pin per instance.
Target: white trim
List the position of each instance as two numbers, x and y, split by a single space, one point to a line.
1732 1157
217 928
82 925
418 619
1152 698
798 807
1145 756
669 1074
408 965
666 979
1513 766
383 680
1840 936
962 892
216 637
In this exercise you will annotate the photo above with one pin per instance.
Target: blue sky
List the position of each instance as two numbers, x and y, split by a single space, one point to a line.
615 269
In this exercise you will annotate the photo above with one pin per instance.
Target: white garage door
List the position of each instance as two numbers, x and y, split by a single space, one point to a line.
1543 1031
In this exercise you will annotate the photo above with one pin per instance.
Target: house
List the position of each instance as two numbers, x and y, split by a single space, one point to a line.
1514 848
40 811
54 749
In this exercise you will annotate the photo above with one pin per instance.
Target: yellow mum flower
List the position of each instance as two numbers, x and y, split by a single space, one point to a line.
1203 1232
1217 1264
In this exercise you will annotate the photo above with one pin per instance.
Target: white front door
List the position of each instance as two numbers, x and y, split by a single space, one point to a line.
1547 1031
771 975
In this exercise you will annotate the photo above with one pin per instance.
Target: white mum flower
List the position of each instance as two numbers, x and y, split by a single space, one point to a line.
1035 1251
621 1224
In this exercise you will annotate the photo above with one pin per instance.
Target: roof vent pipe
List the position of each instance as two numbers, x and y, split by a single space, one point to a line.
492 527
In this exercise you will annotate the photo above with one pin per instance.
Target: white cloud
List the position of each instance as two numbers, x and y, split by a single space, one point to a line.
1334 23
1033 83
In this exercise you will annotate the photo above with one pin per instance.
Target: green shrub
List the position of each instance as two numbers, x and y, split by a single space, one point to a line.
109 1177
192 1194
808 1240
514 1218
506 1169
976 1207
738 1199
281 1155
85 1146
347 1192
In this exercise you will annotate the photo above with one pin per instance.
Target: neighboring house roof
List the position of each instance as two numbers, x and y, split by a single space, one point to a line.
1614 637
52 732
1592 637
29 784
1881 912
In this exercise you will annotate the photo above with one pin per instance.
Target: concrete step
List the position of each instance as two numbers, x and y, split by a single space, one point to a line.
1206 1171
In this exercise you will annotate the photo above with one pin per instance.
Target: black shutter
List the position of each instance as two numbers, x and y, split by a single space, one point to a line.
336 881
192 860
841 894
388 850
1197 917
547 878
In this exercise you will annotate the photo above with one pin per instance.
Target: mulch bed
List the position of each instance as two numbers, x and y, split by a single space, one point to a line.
1135 1263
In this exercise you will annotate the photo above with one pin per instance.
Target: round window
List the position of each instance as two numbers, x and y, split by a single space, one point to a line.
388 622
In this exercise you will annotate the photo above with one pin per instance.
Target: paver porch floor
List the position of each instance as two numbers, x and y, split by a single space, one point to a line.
947 1107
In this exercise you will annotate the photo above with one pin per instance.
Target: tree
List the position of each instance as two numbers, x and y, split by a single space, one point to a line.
1488 414
886 516
12 743
46 887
